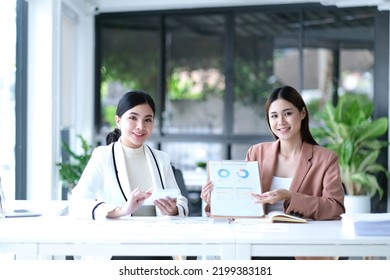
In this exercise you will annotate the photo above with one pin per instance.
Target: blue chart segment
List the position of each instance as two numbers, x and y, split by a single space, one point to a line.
243 173
223 173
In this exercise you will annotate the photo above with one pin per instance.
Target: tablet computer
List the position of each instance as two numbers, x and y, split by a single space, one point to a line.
161 193
164 193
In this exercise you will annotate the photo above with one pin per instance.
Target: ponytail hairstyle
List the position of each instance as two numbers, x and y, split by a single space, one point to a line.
128 101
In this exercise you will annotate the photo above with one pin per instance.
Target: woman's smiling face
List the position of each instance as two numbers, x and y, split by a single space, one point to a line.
136 125
285 119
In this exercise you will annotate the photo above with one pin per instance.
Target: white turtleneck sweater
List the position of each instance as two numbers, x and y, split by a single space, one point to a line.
139 176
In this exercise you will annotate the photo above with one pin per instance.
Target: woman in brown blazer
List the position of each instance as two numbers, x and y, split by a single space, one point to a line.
297 175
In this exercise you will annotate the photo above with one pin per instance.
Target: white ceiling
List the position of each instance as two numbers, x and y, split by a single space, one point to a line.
148 5
136 5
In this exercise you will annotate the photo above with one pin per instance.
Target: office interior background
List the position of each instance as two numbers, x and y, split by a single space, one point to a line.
210 66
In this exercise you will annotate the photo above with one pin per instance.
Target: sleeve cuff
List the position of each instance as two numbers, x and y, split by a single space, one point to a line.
101 210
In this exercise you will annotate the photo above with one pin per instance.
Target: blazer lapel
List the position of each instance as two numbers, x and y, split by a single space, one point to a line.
268 166
121 168
303 166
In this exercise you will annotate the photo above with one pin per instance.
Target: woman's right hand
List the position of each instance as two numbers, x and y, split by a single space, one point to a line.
136 199
206 192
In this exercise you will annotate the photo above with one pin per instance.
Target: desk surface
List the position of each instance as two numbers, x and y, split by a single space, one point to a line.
64 235
324 232
315 238
148 230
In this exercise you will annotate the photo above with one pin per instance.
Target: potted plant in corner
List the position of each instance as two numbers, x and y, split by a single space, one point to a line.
71 170
349 130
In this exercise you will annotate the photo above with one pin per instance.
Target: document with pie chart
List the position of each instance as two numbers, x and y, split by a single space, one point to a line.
233 182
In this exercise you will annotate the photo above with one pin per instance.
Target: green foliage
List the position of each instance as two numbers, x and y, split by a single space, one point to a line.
109 115
252 82
349 130
129 57
182 89
70 171
201 164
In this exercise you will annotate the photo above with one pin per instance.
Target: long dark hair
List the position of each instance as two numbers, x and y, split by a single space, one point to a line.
129 100
291 95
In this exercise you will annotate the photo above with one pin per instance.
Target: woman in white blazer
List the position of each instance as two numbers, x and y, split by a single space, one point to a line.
120 177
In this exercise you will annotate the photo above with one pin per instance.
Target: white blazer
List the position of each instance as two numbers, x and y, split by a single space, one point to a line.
98 191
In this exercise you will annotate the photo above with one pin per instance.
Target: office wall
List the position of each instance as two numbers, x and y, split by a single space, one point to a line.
45 89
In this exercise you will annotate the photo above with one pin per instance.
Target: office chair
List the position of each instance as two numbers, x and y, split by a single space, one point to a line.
180 181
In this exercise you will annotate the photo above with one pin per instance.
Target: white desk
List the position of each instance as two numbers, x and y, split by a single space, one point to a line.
46 236
316 238
47 208
40 237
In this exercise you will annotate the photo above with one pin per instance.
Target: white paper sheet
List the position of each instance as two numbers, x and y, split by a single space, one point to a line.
233 183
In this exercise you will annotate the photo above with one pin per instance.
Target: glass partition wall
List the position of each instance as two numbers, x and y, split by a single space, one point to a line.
210 71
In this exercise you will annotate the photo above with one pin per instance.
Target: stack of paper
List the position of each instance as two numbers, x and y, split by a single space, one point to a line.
368 223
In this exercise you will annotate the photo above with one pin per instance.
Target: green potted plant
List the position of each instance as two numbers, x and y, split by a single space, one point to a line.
349 130
71 170
201 166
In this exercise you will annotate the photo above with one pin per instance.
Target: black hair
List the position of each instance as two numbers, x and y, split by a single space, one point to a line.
129 100
291 95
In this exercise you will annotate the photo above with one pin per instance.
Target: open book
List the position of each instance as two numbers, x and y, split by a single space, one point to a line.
272 217
279 216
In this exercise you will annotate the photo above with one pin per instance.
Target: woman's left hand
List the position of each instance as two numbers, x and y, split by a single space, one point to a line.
272 197
167 206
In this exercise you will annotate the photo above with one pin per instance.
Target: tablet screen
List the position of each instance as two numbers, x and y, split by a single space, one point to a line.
159 193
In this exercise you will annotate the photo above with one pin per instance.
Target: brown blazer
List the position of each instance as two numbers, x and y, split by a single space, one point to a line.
316 187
